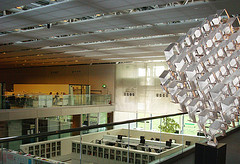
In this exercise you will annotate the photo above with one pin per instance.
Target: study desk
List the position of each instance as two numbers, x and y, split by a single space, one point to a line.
135 146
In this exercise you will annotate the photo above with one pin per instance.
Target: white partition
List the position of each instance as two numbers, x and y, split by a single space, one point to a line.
69 148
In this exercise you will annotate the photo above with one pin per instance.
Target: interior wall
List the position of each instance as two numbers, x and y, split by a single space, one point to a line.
123 116
41 88
94 75
138 89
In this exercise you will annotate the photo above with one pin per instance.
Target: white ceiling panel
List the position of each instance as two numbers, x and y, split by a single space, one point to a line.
73 8
130 44
9 38
127 33
8 4
135 19
127 51
198 10
123 43
34 58
26 52
25 45
97 54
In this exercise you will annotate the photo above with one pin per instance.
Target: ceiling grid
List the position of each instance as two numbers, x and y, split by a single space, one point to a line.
130 36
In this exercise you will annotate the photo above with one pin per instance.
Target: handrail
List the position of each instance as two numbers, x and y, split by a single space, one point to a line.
16 138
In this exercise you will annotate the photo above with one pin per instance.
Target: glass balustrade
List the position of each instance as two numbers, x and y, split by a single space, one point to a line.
46 101
119 142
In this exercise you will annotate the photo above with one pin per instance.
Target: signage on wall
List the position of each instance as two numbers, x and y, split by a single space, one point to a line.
130 92
161 95
104 86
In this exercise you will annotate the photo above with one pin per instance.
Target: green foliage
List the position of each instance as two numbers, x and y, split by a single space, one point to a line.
169 125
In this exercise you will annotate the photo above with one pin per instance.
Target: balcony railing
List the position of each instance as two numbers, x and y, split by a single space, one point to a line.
125 141
41 101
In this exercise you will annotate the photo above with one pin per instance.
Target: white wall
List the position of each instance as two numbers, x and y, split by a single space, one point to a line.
142 79
123 116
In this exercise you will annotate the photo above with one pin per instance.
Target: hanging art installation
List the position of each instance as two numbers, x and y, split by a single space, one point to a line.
204 74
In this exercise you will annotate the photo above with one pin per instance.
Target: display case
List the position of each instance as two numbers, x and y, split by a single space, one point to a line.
59 148
144 159
112 154
138 158
74 147
78 148
54 149
89 150
31 150
118 155
100 152
124 156
37 150
131 157
151 158
84 149
106 153
42 150
46 150
95 151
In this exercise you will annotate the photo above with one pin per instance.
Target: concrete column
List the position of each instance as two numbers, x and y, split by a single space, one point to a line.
182 125
36 126
80 120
